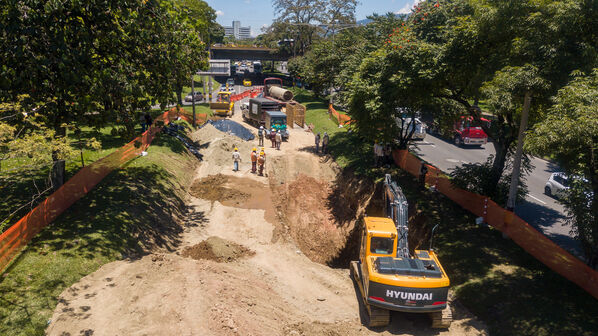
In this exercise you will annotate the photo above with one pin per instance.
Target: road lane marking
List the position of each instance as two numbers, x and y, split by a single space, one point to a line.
537 199
453 160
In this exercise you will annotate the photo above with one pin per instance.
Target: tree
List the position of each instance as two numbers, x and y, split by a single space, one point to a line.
203 18
94 61
302 14
305 15
384 101
569 133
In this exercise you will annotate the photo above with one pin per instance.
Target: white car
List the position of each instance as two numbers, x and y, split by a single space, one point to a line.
557 185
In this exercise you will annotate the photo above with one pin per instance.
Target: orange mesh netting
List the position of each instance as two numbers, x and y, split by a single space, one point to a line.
341 119
532 241
20 233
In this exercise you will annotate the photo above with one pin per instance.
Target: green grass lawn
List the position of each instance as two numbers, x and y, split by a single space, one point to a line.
131 211
199 108
18 184
512 292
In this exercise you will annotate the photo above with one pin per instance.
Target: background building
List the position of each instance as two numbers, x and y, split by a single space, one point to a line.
237 31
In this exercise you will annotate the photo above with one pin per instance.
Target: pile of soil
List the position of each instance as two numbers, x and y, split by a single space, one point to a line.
217 148
212 188
217 249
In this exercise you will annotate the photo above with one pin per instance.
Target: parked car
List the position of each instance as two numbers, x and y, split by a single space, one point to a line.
198 96
557 185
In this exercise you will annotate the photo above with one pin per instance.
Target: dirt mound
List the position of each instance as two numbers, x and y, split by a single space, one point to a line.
286 169
217 249
217 148
212 188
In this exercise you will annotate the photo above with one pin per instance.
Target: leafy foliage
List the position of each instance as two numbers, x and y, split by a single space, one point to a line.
569 132
476 177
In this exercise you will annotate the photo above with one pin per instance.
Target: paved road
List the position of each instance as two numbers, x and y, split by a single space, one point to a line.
541 211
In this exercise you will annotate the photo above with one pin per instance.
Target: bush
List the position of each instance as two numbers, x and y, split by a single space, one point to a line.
475 177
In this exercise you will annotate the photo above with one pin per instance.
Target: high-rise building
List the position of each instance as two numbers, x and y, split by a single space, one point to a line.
237 31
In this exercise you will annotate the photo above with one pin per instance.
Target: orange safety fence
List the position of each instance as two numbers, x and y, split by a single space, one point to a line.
20 233
526 236
200 118
249 93
341 119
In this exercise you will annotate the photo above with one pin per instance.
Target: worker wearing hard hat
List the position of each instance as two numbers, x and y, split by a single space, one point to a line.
273 137
261 162
236 159
260 135
253 160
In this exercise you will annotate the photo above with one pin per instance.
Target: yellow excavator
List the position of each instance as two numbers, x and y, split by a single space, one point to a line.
389 277
223 106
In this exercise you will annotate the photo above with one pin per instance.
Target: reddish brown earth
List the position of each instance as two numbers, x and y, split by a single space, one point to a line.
275 236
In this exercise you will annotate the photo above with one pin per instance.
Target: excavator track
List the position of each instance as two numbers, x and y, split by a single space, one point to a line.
442 319
377 317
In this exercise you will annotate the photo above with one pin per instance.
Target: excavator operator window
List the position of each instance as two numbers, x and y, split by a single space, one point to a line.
381 245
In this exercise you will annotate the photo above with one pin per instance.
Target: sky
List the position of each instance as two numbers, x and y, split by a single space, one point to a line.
259 13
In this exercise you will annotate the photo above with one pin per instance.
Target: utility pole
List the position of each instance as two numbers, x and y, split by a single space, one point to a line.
332 77
519 153
193 96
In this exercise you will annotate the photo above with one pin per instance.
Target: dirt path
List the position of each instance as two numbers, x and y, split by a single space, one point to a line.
269 287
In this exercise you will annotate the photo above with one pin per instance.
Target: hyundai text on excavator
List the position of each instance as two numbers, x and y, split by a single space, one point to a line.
389 277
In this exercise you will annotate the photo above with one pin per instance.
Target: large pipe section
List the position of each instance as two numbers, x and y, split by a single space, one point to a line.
280 93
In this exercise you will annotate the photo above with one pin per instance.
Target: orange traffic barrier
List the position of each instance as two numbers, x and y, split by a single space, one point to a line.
532 241
341 119
20 233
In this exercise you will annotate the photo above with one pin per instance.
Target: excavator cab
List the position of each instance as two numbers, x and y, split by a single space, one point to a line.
223 97
389 277
223 105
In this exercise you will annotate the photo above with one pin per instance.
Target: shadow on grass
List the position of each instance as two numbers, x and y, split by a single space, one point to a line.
133 211
497 280
493 277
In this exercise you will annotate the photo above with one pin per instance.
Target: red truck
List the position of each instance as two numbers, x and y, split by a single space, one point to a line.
467 132
464 131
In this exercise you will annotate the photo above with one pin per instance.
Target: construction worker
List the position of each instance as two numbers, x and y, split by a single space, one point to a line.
261 162
378 153
236 159
318 142
253 160
278 138
273 137
325 141
260 136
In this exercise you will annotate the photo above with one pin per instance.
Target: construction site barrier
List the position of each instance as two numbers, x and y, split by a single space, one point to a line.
522 233
340 119
21 233
249 93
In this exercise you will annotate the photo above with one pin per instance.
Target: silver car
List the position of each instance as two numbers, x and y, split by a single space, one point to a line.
557 185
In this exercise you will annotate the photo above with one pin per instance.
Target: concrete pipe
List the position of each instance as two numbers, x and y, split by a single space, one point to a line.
280 93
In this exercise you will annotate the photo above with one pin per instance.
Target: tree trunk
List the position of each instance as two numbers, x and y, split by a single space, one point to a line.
58 166
179 95
58 172
498 166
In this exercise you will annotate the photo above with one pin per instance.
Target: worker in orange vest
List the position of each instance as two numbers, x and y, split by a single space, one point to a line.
261 162
253 160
